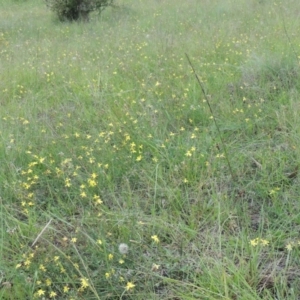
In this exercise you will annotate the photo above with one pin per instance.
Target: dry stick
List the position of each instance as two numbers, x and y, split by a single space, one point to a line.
40 234
258 165
213 116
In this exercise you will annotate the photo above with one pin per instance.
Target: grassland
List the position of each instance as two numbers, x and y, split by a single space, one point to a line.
107 139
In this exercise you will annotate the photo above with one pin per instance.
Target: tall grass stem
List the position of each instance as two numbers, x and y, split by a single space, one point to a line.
213 116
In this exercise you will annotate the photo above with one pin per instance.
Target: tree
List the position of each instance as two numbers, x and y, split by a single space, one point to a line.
73 10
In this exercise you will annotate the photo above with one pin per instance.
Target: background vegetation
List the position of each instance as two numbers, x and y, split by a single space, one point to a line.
106 140
72 10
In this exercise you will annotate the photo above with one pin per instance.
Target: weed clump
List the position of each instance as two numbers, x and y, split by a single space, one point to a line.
268 77
73 10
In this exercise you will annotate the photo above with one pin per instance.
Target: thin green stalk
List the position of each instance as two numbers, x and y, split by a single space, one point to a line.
213 116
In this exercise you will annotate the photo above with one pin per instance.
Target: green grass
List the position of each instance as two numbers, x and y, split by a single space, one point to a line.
106 138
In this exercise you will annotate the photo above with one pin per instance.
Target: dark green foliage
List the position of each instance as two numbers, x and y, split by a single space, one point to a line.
73 10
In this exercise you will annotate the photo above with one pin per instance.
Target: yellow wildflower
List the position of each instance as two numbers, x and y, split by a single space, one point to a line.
129 286
155 238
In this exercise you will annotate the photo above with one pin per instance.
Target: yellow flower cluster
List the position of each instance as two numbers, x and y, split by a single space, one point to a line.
259 241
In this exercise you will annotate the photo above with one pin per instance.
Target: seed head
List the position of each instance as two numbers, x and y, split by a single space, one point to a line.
123 248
